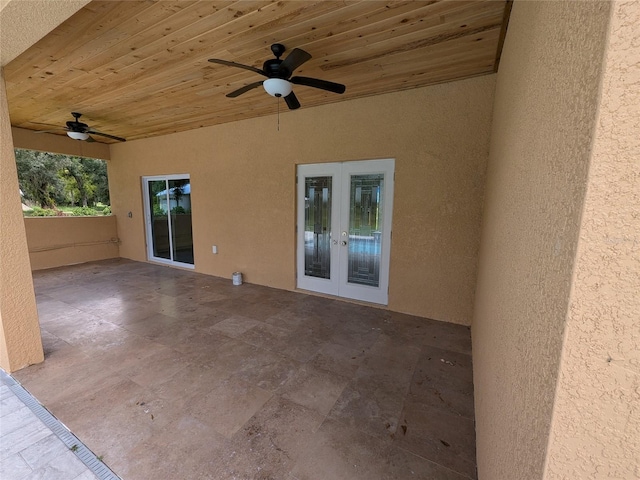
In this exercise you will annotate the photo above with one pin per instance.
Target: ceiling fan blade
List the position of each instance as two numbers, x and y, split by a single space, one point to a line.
90 139
238 65
296 58
246 88
292 101
51 131
317 83
113 137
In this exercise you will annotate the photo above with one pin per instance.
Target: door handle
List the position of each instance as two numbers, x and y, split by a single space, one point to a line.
344 243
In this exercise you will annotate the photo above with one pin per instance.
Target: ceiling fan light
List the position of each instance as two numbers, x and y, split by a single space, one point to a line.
277 87
78 135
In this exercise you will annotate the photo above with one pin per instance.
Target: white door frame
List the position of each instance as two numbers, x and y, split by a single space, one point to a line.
338 284
148 218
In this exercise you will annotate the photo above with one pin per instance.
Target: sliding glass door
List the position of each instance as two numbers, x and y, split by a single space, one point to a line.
168 219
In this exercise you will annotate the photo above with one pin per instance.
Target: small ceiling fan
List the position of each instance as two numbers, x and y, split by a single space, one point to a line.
81 131
279 82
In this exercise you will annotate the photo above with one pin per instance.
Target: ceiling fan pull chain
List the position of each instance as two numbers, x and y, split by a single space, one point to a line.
278 101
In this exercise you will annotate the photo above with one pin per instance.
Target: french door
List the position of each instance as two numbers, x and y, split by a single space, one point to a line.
167 201
344 228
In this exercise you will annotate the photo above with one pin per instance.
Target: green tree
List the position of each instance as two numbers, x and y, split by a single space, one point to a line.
70 188
176 189
51 179
96 170
38 178
79 180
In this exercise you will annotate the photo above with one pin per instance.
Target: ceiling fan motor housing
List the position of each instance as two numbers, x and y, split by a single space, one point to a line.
77 126
272 69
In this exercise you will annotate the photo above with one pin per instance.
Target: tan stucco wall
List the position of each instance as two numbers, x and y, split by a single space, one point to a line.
20 343
544 116
243 188
595 431
48 142
58 241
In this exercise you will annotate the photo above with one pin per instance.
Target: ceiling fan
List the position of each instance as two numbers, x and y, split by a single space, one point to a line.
80 131
279 82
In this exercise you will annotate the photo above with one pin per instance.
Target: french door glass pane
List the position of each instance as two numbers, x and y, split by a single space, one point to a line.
159 224
365 229
317 227
180 210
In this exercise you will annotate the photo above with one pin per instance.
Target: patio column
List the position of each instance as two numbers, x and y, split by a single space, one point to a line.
22 24
20 341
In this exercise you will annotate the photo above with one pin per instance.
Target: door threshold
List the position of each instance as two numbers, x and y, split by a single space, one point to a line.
342 299
183 266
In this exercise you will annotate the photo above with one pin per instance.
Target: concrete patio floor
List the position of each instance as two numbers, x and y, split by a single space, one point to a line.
166 373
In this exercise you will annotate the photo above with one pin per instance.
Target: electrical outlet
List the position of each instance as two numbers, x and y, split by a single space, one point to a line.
214 249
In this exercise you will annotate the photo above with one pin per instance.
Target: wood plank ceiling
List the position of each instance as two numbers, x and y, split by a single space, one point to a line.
138 69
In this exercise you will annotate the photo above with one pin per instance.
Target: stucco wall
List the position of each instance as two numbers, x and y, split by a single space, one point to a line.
58 241
20 343
49 142
243 188
544 115
596 423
